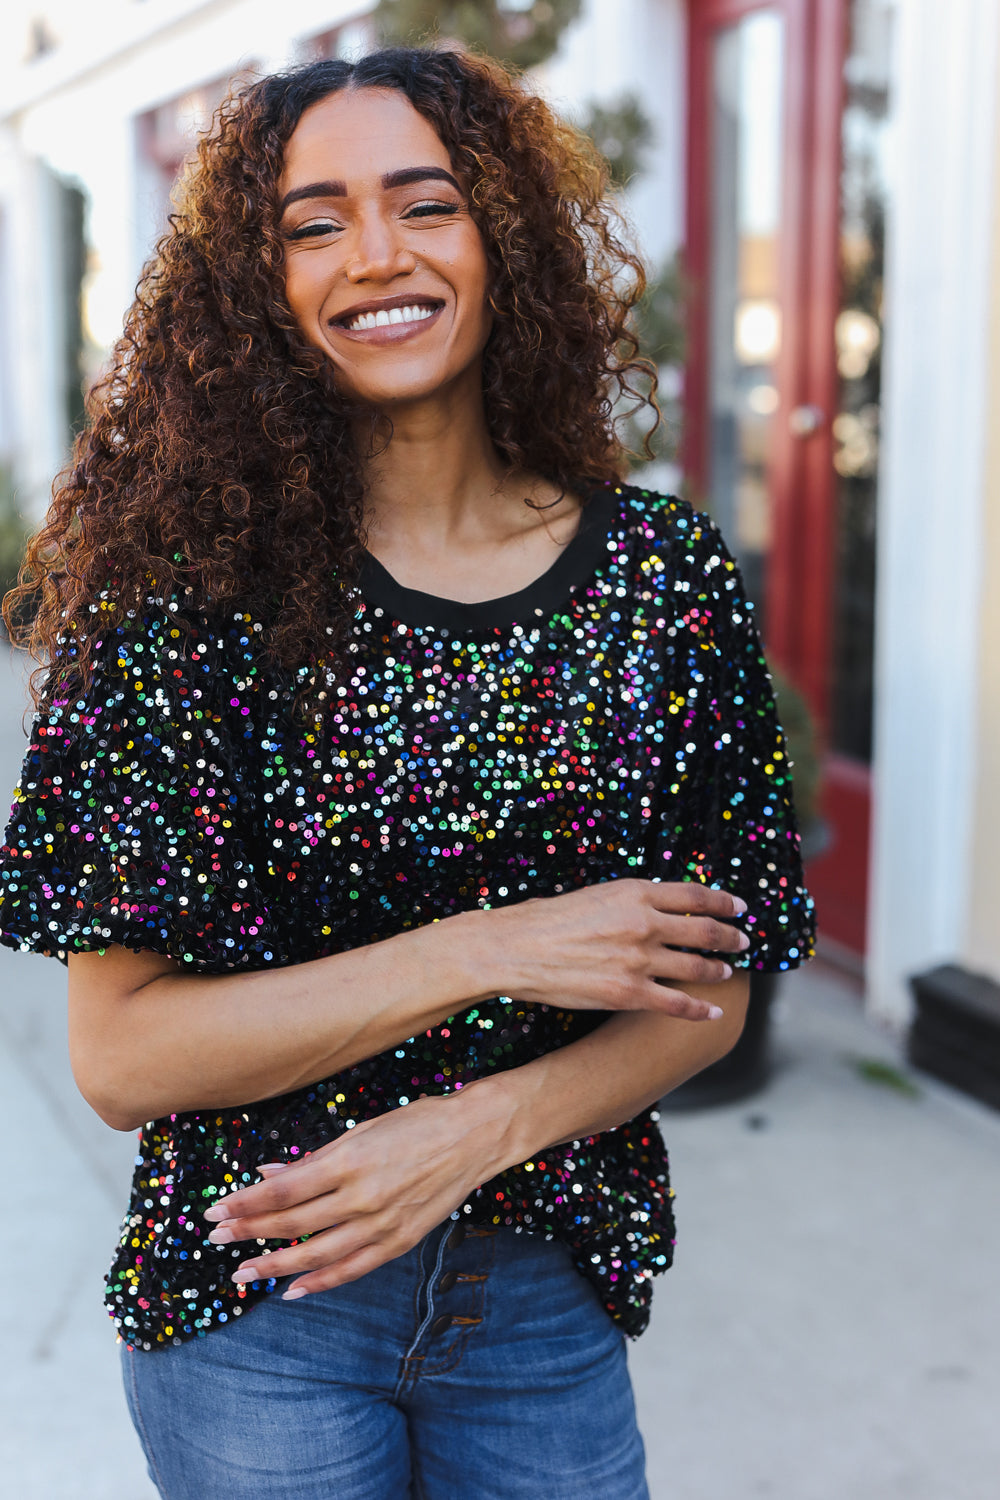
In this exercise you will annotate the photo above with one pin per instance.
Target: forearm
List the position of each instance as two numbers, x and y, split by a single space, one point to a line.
148 1039
612 1074
360 1200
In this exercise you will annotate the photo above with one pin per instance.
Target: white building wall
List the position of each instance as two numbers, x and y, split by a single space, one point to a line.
981 952
634 46
931 524
30 337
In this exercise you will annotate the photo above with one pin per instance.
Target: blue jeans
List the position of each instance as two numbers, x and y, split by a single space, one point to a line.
478 1366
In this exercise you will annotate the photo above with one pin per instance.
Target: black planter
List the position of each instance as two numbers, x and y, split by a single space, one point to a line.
741 1072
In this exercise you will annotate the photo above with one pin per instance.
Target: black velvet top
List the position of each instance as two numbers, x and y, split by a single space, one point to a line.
614 718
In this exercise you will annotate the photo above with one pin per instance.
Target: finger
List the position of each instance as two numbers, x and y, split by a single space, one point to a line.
247 1200
690 897
286 1223
313 1254
295 1183
673 967
672 1002
705 933
350 1268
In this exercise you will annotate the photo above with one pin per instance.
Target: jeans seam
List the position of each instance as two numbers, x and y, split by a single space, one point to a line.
140 1422
406 1375
461 1342
421 1282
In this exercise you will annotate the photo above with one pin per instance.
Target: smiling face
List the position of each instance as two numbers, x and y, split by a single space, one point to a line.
385 269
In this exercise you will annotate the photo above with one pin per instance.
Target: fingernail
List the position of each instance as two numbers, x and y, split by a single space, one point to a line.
715 1013
273 1166
727 973
744 941
739 905
294 1293
217 1211
221 1236
246 1273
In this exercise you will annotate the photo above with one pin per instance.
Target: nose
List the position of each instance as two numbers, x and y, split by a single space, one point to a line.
378 250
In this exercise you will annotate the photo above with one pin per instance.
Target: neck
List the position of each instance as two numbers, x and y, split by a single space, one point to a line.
438 478
446 516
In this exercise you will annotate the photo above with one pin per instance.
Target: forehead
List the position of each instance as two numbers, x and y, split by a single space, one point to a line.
357 135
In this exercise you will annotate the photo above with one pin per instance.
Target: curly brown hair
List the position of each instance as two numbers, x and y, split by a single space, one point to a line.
220 464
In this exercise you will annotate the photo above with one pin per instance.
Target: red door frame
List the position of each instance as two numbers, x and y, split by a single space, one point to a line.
801 567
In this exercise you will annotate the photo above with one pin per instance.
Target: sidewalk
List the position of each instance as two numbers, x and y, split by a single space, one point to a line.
831 1327
830 1331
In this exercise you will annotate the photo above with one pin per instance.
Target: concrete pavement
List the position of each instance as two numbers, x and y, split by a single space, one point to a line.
830 1331
831 1327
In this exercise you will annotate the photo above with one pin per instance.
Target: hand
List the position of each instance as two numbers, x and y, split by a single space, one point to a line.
370 1195
615 946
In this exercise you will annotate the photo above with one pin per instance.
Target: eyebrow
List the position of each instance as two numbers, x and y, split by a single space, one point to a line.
400 178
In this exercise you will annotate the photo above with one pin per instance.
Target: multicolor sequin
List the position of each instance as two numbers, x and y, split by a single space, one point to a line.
625 728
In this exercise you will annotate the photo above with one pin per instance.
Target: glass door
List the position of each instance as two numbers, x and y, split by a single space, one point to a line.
786 198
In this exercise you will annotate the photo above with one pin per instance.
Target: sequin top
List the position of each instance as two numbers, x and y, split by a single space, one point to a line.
613 719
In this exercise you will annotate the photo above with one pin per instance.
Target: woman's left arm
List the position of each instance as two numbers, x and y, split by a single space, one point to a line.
373 1193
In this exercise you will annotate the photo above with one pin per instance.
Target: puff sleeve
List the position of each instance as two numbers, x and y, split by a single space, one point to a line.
726 816
131 823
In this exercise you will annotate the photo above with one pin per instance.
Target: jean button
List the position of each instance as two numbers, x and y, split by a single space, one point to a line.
447 1281
457 1236
440 1325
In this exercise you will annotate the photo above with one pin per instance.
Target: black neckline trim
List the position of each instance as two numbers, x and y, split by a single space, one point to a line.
574 565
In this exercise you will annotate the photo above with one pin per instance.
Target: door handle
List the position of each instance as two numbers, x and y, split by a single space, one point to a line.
805 420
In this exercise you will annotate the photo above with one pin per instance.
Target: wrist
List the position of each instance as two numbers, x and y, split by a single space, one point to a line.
481 952
502 1110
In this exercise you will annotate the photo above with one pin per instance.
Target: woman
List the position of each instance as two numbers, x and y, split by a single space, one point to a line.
389 743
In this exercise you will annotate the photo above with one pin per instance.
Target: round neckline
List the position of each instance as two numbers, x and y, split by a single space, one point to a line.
574 564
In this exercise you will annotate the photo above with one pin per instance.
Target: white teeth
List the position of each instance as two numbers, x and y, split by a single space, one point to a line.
386 316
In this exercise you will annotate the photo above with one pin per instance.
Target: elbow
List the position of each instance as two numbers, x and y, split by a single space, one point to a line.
106 1097
120 1119
114 1110
116 1069
730 1031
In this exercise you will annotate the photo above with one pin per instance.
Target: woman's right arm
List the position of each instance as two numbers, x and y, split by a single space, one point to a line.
148 1038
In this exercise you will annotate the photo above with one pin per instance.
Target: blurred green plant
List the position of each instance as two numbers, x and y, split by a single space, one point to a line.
522 33
659 325
622 133
660 316
14 534
803 748
875 1070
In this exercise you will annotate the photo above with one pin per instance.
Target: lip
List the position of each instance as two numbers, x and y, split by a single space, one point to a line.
394 333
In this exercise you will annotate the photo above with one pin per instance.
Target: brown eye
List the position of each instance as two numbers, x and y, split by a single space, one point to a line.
312 230
426 210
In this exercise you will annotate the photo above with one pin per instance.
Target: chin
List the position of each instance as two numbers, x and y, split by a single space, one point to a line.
398 389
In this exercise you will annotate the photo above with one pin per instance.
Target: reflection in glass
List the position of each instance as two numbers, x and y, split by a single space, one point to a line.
745 320
858 337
